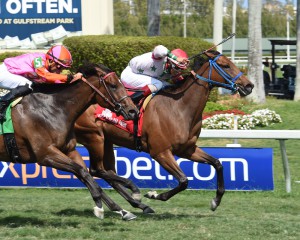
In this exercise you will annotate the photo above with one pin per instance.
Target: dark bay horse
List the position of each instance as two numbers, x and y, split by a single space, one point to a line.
172 124
44 126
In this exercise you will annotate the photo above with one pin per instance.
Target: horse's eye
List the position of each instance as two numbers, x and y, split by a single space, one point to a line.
113 86
227 66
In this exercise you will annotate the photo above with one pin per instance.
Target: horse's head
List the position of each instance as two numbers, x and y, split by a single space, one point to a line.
110 91
219 71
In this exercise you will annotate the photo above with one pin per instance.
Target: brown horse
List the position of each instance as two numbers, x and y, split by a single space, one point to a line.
44 126
172 124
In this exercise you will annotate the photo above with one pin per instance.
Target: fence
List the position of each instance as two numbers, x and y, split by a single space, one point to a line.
280 135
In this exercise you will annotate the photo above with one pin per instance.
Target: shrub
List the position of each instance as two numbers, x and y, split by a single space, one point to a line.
116 51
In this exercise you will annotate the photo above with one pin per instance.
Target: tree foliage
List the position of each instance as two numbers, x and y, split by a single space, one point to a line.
131 20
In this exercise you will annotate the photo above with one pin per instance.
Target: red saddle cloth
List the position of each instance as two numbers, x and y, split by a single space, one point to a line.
107 115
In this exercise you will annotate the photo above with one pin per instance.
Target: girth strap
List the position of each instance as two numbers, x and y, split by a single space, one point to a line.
12 148
137 139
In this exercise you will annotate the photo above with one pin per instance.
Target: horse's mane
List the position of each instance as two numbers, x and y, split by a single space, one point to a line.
87 69
199 60
49 88
90 69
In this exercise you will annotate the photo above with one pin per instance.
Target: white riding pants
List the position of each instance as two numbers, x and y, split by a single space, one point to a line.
9 80
134 80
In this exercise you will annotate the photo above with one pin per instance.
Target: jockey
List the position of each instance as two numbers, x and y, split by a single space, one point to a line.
18 73
151 71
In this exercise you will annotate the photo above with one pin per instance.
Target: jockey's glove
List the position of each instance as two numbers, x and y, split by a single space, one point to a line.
69 78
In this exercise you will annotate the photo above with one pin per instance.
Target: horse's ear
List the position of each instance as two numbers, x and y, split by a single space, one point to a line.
99 71
210 54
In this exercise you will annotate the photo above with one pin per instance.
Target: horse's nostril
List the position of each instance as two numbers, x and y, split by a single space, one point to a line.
249 88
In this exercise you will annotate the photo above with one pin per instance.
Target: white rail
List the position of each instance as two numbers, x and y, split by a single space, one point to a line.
280 135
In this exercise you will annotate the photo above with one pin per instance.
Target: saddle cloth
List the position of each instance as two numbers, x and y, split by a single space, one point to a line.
108 116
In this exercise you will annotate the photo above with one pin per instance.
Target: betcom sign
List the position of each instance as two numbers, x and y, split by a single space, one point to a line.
24 17
244 169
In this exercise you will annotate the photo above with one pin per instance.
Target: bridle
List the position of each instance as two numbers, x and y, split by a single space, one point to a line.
229 79
115 104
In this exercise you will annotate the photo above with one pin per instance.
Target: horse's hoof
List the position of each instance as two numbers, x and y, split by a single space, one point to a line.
137 197
99 212
151 194
213 205
148 210
127 216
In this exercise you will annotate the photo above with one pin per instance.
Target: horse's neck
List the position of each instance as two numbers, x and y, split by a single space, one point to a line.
192 98
77 99
71 101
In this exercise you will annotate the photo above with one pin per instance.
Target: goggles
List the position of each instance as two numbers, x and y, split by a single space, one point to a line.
63 62
177 65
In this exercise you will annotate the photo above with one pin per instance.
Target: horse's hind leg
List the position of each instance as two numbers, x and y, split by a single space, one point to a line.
200 156
167 161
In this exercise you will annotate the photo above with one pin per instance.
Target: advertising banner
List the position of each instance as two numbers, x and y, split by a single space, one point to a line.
244 169
25 17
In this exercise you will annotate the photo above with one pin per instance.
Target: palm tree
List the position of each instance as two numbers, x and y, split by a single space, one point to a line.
297 83
153 17
255 73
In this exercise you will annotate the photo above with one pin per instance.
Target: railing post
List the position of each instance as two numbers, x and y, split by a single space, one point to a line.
286 168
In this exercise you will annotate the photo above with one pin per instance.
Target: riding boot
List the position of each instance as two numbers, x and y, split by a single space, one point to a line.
14 93
137 96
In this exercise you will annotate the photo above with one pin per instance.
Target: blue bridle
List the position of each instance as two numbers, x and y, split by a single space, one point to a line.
230 80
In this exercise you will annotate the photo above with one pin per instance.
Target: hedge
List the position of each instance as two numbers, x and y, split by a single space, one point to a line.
116 51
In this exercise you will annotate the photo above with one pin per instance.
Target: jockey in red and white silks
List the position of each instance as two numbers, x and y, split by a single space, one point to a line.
150 71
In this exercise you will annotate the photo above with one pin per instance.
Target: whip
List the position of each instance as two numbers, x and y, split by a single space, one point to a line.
224 40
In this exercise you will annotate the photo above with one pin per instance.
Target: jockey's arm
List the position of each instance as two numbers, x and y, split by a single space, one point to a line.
49 77
57 78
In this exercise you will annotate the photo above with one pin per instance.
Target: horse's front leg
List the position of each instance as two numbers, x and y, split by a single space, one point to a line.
168 162
102 165
119 184
73 163
75 156
200 156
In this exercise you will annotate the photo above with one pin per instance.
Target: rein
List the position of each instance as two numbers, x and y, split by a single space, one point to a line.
114 104
230 80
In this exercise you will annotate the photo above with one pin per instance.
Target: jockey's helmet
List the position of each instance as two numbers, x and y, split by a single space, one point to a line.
175 64
61 55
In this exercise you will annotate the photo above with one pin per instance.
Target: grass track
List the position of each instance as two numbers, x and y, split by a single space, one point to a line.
67 214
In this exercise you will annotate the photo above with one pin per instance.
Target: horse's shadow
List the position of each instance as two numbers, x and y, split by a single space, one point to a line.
140 215
170 216
74 212
16 221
